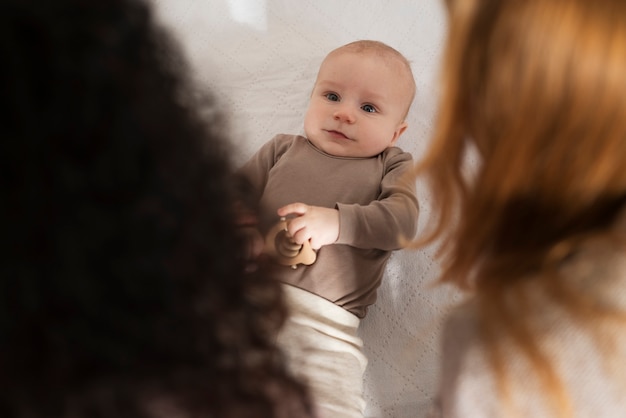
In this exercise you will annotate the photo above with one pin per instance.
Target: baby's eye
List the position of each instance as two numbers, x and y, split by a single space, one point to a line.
332 97
369 108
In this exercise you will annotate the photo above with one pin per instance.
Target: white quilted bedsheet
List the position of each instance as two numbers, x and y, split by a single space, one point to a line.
260 58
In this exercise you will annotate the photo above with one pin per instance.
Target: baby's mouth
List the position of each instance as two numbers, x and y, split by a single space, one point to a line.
337 134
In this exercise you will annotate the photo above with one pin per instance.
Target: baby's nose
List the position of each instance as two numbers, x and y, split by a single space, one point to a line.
344 114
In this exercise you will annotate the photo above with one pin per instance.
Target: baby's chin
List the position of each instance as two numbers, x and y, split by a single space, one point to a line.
340 148
326 148
322 147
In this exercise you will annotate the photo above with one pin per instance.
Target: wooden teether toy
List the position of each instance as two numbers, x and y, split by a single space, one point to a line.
280 246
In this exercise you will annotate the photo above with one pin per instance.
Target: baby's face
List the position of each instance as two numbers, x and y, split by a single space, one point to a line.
358 105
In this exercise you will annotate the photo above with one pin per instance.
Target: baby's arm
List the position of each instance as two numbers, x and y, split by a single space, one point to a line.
382 223
378 225
317 224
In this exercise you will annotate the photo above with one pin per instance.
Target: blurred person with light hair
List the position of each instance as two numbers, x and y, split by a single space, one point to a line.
536 233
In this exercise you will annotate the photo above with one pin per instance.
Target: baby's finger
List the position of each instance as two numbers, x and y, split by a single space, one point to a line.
294 226
301 236
315 244
293 208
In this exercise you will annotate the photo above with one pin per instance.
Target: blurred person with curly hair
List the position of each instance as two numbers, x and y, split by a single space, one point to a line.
124 288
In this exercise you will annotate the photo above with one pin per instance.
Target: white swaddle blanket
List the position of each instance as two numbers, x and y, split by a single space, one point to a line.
260 58
321 342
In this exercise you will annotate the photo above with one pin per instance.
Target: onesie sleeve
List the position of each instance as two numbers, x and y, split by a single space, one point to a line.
383 223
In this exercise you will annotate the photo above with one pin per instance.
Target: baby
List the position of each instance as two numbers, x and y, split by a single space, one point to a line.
341 190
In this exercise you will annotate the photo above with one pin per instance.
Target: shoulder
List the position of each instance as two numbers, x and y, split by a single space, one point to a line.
396 160
280 144
397 154
461 331
461 343
467 383
288 139
283 140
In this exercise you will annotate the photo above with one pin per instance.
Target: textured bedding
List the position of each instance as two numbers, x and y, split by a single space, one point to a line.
260 57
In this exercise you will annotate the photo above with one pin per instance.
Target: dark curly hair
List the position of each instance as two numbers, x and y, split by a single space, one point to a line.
123 286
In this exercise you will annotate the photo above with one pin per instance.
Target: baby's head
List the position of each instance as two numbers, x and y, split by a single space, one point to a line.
360 100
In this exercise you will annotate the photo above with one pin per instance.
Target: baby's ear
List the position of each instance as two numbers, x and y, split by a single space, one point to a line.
398 132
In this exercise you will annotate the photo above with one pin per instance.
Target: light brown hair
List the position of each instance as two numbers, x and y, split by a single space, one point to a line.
538 89
389 55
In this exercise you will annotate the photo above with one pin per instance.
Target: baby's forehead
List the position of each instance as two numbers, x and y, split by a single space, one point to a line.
384 57
399 69
387 60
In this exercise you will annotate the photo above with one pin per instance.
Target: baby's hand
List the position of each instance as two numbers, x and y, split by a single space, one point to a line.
317 224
